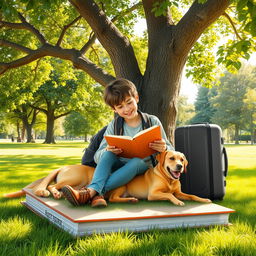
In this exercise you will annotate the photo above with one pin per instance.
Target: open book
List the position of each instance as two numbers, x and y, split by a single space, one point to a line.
138 146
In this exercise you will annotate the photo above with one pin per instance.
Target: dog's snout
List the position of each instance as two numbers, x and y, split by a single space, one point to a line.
179 167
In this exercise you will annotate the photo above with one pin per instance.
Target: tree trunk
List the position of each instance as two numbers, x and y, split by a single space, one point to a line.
252 130
18 132
50 128
30 137
236 134
23 133
160 89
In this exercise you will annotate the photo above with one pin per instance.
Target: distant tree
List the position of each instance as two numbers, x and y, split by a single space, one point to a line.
250 106
7 125
204 110
229 102
17 88
28 117
76 125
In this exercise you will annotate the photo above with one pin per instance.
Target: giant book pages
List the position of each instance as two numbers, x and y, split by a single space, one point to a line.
138 146
84 220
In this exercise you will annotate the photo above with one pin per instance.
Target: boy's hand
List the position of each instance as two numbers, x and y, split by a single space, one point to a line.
114 150
158 145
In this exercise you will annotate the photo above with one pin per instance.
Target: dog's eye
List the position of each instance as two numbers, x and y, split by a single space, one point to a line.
172 158
182 160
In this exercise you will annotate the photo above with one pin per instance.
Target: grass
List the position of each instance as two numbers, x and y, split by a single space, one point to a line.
24 233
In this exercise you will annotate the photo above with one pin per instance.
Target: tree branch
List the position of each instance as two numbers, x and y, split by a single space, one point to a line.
117 45
15 46
92 38
65 28
32 29
89 43
195 21
64 114
34 55
154 23
24 25
127 11
232 24
75 56
38 108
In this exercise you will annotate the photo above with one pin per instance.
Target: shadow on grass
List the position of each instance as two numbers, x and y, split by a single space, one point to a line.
41 146
245 208
17 172
242 173
9 163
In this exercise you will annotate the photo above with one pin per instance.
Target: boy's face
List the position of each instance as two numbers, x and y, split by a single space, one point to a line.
128 109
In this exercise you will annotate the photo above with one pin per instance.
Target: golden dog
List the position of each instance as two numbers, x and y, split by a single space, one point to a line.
158 183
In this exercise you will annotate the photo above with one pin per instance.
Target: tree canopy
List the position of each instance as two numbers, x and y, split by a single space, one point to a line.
177 32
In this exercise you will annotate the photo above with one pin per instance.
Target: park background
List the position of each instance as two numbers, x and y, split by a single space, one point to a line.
52 109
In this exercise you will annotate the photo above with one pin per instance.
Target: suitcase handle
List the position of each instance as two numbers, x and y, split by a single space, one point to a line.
225 161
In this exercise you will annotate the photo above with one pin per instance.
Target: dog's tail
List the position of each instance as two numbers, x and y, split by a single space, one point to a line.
19 193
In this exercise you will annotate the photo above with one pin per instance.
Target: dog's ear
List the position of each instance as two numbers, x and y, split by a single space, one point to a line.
161 157
185 163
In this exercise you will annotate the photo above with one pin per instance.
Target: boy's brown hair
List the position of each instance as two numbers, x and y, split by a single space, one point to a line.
118 90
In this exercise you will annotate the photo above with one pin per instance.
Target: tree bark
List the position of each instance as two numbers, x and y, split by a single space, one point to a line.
29 131
49 139
236 134
18 131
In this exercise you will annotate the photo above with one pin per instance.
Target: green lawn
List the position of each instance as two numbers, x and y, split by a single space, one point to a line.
24 233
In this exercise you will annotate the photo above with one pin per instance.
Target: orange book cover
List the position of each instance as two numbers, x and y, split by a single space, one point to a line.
138 146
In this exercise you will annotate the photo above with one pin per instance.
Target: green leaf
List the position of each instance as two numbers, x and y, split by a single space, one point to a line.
237 65
251 8
246 56
241 4
253 27
30 5
248 27
202 1
220 60
229 63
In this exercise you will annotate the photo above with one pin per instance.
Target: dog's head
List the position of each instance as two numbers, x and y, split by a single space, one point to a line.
173 163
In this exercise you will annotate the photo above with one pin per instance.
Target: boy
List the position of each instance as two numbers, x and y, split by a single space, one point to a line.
113 171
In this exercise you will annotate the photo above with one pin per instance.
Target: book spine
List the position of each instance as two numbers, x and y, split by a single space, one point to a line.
53 216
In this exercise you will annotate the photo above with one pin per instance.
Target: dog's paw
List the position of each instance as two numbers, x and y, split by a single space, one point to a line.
57 194
42 192
134 200
179 203
207 201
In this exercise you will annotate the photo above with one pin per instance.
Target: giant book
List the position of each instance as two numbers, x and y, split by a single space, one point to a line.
143 216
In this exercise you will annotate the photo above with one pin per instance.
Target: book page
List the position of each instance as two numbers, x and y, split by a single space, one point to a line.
145 131
123 137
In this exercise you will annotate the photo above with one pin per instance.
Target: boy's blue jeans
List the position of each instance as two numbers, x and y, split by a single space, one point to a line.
111 172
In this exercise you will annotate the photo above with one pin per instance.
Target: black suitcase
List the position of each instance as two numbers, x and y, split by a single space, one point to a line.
207 167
